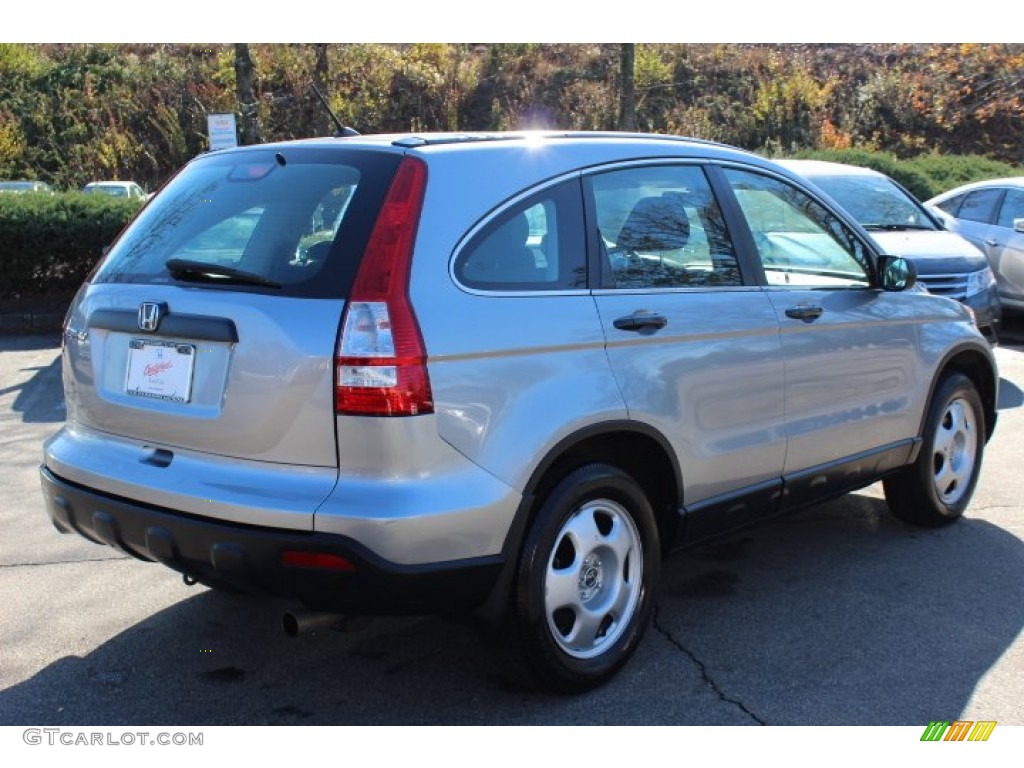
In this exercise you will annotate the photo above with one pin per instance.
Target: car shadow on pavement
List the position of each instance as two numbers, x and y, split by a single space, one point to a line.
1010 395
39 399
837 615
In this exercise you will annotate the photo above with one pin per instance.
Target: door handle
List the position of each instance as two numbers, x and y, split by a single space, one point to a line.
640 322
992 243
806 312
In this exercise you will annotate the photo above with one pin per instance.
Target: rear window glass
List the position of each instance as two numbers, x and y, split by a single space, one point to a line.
293 222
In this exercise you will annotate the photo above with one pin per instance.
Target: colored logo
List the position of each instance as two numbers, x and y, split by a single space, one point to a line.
958 730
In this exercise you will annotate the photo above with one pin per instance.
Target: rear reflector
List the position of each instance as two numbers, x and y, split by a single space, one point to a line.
323 560
381 362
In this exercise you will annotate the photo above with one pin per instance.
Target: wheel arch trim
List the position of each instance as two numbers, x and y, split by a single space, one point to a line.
967 359
493 608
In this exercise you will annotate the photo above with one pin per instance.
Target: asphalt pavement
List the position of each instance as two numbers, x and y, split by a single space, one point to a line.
839 615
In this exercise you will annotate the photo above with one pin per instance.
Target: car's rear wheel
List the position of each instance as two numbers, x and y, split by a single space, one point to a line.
937 488
587 572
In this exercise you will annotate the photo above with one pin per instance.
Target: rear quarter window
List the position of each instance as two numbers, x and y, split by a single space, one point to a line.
536 244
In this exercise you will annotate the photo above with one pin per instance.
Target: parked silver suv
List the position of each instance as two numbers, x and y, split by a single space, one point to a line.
503 373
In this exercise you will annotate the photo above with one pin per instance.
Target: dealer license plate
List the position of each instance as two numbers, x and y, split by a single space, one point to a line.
160 369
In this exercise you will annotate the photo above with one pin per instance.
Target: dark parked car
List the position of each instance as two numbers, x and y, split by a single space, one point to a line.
947 264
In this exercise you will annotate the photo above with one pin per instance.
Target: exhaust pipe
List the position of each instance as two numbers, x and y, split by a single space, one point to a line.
300 622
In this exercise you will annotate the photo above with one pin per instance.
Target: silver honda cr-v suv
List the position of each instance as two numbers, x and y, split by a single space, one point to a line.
499 373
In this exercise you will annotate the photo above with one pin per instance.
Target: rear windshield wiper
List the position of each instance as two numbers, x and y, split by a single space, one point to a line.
895 227
183 269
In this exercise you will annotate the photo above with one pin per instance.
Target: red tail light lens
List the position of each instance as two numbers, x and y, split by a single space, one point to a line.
381 362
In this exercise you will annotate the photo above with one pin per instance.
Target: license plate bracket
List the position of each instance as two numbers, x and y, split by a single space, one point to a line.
162 370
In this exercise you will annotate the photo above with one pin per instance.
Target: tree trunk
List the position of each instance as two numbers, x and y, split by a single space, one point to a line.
321 71
627 92
245 92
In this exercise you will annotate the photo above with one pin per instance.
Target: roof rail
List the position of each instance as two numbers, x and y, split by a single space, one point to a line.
448 138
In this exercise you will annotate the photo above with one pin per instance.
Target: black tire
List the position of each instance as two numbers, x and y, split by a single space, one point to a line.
937 488
584 590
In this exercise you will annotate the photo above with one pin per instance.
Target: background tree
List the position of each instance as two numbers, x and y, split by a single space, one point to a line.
245 91
70 114
627 93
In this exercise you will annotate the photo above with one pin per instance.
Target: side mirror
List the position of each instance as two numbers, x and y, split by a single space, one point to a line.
1018 225
897 273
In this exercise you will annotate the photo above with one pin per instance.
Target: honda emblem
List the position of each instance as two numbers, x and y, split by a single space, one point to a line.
149 315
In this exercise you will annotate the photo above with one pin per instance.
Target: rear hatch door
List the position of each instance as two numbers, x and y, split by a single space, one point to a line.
206 338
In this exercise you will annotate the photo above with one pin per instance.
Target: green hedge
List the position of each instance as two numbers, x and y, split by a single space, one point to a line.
49 244
925 175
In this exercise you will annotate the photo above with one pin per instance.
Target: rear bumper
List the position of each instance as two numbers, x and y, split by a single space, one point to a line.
251 558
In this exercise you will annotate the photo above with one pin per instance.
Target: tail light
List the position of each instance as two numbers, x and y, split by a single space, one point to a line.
381 362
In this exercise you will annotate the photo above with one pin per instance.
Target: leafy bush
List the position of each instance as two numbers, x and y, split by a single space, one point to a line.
925 175
948 171
49 244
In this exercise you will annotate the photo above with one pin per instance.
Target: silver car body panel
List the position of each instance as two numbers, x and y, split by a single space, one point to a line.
411 498
1004 249
512 377
223 488
711 381
851 375
262 398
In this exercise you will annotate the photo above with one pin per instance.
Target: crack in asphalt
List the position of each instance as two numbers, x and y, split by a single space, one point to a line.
66 562
708 681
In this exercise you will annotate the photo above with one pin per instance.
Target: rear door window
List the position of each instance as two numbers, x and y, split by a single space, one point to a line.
661 227
980 205
296 223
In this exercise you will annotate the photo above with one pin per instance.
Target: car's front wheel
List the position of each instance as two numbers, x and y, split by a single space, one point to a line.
937 488
587 573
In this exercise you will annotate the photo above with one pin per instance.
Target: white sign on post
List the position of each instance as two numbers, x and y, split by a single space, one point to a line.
222 130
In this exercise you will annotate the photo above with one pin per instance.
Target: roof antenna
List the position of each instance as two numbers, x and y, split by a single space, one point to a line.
343 130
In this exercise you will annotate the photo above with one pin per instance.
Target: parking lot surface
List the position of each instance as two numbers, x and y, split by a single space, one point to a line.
838 615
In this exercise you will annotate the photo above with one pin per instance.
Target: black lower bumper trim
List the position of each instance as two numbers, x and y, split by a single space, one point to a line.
249 558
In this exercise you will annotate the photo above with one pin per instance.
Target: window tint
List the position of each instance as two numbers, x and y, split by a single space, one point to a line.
661 227
536 245
301 221
980 205
800 242
951 206
1012 208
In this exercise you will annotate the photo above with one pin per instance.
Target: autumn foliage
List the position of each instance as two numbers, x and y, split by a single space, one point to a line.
70 114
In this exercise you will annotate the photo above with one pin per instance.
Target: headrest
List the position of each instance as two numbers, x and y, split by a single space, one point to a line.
655 224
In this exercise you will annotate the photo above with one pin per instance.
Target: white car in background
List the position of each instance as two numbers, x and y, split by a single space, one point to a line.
127 189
